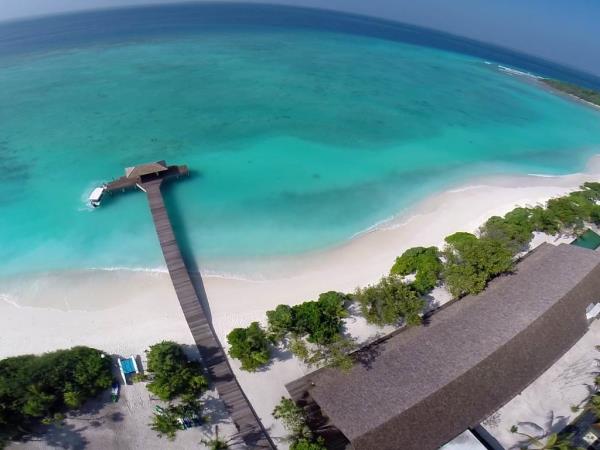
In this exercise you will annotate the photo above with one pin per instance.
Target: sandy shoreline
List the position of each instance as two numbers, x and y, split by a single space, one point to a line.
123 311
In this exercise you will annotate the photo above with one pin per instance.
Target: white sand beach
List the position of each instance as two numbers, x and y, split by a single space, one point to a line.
123 312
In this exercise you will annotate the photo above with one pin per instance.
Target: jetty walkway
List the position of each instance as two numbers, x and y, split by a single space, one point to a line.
149 178
213 356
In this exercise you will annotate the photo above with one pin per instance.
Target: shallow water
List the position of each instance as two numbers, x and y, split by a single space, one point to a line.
297 139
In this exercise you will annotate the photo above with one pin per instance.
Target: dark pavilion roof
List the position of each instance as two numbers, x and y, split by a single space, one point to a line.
146 169
428 384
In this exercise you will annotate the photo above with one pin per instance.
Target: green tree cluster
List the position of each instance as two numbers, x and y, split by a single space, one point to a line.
320 320
166 421
173 374
250 345
424 262
313 330
471 262
570 212
35 388
390 300
589 95
333 354
514 230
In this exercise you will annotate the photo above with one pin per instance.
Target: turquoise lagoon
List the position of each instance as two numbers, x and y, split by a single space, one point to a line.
297 139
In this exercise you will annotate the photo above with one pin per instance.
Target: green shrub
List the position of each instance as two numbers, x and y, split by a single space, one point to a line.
250 345
390 300
139 378
334 354
566 210
166 424
425 262
36 389
472 262
173 374
305 444
544 221
293 418
514 230
321 320
280 322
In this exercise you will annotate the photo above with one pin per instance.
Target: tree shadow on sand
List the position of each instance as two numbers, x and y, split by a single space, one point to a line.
67 436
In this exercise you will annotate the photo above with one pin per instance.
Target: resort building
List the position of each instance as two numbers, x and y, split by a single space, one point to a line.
143 170
421 387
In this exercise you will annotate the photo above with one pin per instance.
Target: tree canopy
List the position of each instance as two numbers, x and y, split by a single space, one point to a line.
390 300
514 230
173 374
471 262
39 387
424 262
250 345
589 95
320 320
294 420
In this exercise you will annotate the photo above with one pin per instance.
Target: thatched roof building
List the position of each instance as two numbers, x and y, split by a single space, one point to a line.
153 168
424 386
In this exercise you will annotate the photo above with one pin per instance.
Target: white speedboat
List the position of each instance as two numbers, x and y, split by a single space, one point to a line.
96 196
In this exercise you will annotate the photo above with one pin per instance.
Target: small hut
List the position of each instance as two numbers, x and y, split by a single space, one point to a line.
145 171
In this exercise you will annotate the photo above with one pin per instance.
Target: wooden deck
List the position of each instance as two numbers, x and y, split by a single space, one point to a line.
125 183
213 357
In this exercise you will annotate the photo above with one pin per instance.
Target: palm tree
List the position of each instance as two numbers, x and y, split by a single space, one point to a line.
217 443
554 441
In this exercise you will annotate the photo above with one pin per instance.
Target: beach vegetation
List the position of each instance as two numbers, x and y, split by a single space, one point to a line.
334 354
552 441
389 301
293 418
250 345
589 95
305 444
280 322
217 442
424 262
173 375
41 388
294 421
514 230
168 420
471 262
321 321
166 423
544 221
139 378
300 349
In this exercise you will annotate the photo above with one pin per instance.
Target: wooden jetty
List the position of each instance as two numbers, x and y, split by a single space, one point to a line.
213 356
135 176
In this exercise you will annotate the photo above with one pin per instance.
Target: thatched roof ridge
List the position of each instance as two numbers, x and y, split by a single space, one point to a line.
430 383
146 169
